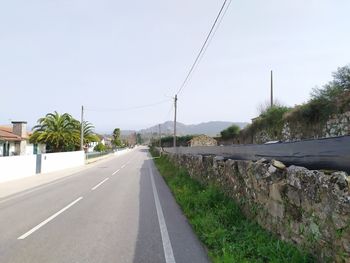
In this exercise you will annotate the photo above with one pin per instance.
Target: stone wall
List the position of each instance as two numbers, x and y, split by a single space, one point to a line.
295 130
336 125
309 208
203 140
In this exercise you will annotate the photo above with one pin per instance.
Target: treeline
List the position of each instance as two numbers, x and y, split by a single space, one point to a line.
168 141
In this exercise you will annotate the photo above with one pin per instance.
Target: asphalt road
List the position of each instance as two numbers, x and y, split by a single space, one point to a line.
119 211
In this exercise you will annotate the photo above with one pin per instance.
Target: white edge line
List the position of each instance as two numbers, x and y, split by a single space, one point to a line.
93 188
168 250
116 172
49 219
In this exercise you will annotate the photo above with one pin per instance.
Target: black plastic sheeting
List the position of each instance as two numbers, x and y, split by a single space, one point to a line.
328 153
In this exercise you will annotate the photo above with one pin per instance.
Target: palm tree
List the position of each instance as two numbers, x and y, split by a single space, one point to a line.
88 133
56 130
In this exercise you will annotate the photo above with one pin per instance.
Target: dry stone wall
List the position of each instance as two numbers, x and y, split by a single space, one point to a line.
296 130
336 125
309 208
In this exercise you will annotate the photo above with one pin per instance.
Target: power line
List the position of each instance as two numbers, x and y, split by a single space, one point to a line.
205 44
215 30
211 38
166 117
128 108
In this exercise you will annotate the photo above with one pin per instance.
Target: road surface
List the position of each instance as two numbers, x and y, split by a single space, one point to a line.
119 211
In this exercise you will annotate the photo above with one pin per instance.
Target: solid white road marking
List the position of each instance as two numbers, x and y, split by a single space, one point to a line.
116 172
49 219
168 250
93 188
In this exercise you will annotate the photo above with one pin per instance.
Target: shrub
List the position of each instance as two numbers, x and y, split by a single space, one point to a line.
332 98
270 120
100 147
230 132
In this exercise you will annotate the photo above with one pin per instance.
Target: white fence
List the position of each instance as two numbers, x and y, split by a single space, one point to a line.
51 162
16 167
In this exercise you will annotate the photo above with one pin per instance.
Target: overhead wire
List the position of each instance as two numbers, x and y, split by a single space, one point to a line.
214 32
169 111
206 43
198 58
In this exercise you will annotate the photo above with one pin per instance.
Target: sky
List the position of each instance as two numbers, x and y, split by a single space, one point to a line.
114 56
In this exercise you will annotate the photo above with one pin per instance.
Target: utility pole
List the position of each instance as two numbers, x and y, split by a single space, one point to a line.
82 129
271 95
175 105
160 137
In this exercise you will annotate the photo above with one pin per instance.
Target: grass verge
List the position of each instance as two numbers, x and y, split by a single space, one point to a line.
220 224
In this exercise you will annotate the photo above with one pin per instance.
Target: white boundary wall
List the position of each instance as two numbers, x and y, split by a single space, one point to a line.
51 162
16 167
121 152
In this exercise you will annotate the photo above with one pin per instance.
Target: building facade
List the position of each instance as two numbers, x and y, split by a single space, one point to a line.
14 140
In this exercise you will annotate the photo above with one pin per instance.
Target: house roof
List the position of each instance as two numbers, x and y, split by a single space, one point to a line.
9 136
6 134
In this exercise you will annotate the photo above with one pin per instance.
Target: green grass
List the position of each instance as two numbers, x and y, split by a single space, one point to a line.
220 224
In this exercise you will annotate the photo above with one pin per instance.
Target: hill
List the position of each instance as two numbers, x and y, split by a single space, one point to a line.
211 128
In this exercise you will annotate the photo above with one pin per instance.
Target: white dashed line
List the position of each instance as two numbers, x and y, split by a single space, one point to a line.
49 219
116 172
93 188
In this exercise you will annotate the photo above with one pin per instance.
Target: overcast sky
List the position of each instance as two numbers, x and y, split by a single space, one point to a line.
59 55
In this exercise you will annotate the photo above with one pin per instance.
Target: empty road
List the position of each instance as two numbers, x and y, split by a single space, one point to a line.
117 211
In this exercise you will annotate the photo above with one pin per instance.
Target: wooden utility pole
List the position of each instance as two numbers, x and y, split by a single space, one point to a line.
271 95
160 136
82 129
175 105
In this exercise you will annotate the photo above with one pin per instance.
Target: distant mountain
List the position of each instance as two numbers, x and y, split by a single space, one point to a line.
126 132
211 128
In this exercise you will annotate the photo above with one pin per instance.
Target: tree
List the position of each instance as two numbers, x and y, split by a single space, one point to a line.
61 132
56 130
116 137
230 132
88 133
100 147
334 88
139 138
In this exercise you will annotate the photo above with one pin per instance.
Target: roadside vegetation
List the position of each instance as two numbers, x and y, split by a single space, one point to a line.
100 147
116 138
228 235
167 141
230 132
271 120
332 98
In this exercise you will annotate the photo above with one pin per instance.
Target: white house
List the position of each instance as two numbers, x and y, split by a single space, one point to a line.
91 146
14 140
